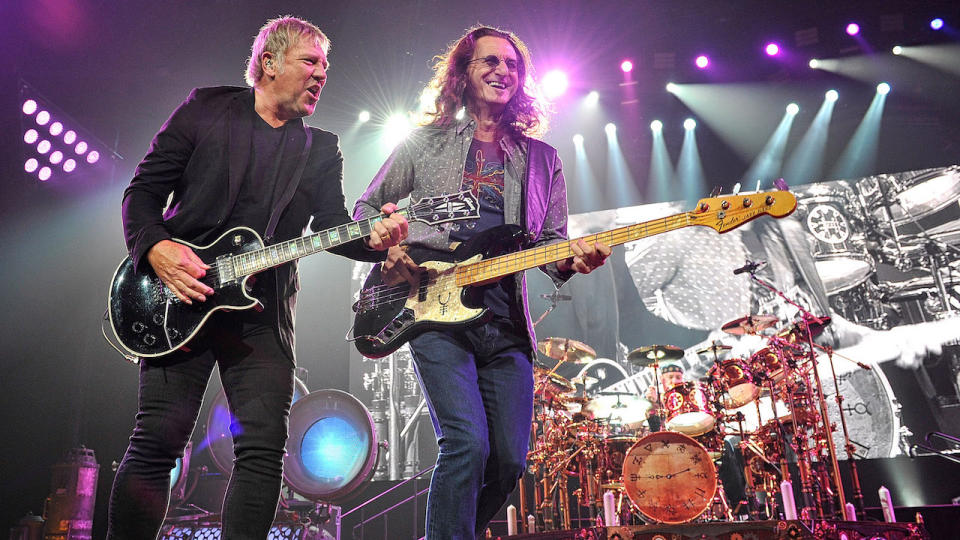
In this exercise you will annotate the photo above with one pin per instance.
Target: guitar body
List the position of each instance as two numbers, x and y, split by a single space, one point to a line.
150 321
389 316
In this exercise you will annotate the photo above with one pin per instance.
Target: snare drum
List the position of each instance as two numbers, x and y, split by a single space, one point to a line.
689 408
733 379
767 364
833 217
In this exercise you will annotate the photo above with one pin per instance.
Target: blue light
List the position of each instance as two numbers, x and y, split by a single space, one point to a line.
333 451
937 23
175 472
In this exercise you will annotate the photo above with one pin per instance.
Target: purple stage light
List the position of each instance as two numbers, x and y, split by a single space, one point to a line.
554 84
56 157
626 66
93 157
936 24
43 146
70 136
772 49
43 117
44 173
56 128
31 136
29 106
853 29
31 165
702 61
69 165
81 148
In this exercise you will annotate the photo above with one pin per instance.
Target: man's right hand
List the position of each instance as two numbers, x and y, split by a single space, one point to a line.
399 267
180 270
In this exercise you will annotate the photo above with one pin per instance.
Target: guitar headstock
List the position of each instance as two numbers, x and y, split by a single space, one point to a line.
443 208
731 211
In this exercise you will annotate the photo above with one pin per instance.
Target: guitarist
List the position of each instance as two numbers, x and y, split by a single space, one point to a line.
232 156
478 381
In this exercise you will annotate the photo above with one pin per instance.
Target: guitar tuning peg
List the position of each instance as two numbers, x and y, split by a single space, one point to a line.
781 184
736 188
716 191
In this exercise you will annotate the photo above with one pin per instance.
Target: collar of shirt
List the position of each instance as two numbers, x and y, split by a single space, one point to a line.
466 127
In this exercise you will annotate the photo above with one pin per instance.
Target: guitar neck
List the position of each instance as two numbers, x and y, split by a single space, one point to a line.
504 265
274 255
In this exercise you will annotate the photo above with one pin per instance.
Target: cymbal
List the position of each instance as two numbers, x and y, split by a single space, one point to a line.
751 324
796 331
651 354
619 408
585 380
714 348
551 383
568 350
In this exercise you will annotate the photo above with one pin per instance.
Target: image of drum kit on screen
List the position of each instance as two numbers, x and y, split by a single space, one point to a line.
608 449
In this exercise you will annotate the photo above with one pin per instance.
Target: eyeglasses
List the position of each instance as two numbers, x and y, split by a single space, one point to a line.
492 61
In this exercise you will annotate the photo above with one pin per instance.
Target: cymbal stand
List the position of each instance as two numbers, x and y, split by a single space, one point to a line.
847 445
806 319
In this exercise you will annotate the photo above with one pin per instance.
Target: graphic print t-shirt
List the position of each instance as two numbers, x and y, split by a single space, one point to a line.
483 176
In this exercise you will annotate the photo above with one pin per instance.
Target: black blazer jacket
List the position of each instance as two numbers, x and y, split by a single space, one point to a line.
197 162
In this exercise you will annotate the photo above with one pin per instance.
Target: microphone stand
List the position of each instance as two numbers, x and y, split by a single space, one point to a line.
806 319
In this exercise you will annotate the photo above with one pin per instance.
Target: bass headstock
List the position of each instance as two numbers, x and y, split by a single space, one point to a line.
731 211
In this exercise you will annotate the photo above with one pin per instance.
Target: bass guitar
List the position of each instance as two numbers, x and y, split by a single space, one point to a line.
148 320
449 293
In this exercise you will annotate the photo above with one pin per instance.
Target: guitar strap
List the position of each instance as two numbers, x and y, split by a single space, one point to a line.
291 186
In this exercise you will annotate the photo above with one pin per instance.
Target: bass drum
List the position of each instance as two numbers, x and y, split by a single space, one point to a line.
832 215
919 202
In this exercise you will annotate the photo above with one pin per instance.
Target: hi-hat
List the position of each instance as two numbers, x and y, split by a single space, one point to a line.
751 324
652 354
714 348
567 350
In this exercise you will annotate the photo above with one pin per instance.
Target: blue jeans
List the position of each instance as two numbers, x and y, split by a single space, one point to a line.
258 379
479 387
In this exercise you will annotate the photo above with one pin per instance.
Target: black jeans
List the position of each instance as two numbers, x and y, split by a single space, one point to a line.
258 379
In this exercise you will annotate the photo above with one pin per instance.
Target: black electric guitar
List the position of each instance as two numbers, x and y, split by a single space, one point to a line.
449 295
149 320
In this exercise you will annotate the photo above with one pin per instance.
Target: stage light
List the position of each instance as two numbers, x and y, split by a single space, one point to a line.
853 29
554 84
69 165
31 165
31 136
702 61
43 146
44 174
626 66
813 63
671 87
656 126
460 114
936 24
883 89
56 157
80 148
793 109
56 128
592 99
43 117
93 157
70 136
396 129
897 50
29 107
772 49
363 117
832 95
578 139
610 129
689 124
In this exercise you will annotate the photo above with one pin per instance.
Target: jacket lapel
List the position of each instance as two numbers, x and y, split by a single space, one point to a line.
240 129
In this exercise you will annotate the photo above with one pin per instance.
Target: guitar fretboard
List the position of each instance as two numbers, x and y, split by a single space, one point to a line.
270 256
497 267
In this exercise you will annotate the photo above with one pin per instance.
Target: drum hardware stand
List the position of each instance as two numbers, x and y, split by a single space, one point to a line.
848 446
927 445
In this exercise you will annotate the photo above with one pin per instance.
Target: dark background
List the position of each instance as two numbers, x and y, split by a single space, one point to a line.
117 69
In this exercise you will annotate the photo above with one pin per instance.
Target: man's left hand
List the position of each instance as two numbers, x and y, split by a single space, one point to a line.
389 231
586 257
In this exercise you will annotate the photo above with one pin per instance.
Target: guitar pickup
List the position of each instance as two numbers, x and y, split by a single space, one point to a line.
422 288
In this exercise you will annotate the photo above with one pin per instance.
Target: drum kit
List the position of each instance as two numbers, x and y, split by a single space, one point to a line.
768 407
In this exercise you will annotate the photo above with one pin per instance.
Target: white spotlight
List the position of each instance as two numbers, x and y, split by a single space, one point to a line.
898 50
363 117
689 124
578 139
592 99
832 95
656 126
395 129
610 128
793 109
883 89
671 87
813 63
